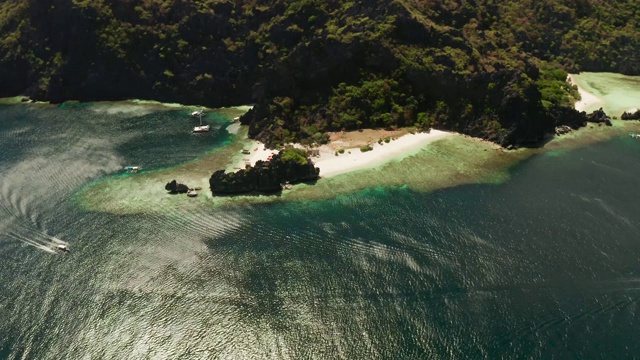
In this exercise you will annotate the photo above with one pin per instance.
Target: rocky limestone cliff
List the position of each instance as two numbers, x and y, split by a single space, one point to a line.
265 176
631 115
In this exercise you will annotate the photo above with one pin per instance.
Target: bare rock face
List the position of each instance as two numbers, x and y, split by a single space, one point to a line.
565 116
630 115
599 116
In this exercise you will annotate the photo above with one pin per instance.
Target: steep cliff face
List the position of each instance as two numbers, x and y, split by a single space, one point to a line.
311 66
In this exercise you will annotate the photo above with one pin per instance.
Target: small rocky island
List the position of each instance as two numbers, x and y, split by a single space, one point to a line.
173 187
631 115
289 166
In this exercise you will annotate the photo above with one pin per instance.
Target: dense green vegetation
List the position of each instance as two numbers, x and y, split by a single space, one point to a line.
291 154
489 68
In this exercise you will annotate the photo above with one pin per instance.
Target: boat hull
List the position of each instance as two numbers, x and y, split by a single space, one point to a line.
199 129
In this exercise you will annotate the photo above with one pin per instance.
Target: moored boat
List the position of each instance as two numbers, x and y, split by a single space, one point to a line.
201 128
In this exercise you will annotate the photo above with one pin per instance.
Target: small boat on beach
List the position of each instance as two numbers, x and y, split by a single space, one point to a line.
635 135
192 193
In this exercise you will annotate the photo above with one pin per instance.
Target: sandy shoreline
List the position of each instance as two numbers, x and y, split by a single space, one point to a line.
401 144
588 100
354 159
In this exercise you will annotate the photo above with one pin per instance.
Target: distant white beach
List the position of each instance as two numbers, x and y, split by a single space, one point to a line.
587 99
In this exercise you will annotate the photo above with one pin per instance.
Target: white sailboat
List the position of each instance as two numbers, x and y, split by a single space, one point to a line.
201 128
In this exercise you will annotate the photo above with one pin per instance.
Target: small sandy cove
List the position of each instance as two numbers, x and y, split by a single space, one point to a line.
401 144
587 99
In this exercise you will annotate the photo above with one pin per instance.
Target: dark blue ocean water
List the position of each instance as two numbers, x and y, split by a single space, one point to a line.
546 265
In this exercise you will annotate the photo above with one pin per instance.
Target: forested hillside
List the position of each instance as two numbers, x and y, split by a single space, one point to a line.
489 68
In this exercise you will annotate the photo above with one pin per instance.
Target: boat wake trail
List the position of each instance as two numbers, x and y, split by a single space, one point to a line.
44 245
27 234
41 241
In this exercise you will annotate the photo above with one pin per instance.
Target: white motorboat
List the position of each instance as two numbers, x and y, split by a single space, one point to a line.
62 248
197 113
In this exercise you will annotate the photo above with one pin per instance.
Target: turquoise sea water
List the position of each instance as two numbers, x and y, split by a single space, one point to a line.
619 93
545 265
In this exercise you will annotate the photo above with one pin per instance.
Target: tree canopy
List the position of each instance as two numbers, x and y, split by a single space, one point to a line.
310 66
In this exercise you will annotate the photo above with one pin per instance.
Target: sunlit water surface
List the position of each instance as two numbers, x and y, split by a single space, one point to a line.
540 261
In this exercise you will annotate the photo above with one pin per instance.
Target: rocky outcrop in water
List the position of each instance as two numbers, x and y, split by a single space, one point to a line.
291 165
174 188
630 115
567 119
599 117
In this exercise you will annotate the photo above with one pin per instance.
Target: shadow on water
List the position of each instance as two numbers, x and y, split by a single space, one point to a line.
166 139
17 122
545 263
261 297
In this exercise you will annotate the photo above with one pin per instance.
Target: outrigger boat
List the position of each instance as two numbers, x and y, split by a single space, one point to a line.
132 168
197 113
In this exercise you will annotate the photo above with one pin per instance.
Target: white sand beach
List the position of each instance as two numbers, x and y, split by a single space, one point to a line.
260 152
588 100
402 144
354 159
